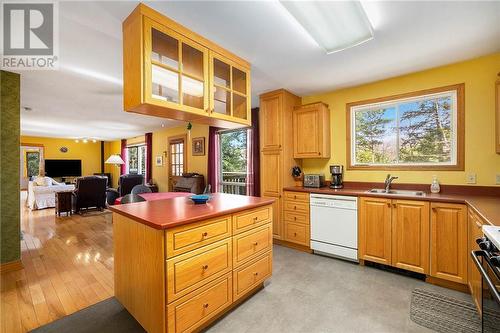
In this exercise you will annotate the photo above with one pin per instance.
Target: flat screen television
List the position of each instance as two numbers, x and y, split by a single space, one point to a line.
63 168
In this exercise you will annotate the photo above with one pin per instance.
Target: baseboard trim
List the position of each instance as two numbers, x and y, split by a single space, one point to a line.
291 245
448 284
11 266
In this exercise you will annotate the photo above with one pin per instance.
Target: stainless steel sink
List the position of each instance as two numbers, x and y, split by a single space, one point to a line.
397 192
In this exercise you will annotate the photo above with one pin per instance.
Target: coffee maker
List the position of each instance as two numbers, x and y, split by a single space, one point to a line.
337 172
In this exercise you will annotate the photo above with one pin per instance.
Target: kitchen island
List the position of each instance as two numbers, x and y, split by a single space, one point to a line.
179 266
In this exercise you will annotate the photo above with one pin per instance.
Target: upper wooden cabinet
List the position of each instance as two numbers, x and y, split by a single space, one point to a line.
311 134
172 72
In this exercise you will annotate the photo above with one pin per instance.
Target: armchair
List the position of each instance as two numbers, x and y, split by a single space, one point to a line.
125 185
90 192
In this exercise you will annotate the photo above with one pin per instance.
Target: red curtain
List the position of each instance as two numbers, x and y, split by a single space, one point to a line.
123 167
253 156
149 157
213 162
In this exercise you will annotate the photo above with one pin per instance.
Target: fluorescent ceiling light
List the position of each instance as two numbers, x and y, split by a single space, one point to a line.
334 25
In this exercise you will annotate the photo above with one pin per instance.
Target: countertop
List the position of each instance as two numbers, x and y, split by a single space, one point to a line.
168 213
487 207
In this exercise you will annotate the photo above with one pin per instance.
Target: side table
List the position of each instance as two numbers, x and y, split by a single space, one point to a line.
64 202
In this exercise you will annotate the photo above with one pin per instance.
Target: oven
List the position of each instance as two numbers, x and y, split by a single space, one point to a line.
488 264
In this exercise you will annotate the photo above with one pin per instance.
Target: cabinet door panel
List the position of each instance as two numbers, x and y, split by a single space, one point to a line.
270 174
270 118
277 219
410 235
473 276
306 138
449 242
375 230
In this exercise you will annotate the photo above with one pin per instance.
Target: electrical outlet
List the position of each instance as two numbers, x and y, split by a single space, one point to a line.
471 178
498 179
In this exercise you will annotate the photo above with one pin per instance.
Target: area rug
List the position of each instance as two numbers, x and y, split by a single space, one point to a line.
443 313
108 316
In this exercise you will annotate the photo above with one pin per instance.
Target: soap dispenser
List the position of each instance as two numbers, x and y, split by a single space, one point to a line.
435 188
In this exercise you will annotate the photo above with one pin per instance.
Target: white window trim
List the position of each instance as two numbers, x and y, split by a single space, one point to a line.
395 103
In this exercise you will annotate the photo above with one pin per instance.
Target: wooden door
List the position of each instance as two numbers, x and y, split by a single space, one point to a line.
177 159
270 186
473 276
449 242
306 136
410 235
375 230
270 120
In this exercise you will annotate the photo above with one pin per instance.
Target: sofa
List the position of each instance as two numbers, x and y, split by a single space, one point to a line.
42 190
90 192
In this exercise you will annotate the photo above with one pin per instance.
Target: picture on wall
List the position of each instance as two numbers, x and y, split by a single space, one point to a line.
199 146
159 161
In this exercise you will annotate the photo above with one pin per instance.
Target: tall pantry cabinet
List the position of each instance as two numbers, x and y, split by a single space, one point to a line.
276 149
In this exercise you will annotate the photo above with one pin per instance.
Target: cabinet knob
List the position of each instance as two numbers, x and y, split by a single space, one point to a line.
389 204
256 273
255 219
205 305
394 205
205 234
204 267
295 218
294 207
434 209
295 197
295 234
319 154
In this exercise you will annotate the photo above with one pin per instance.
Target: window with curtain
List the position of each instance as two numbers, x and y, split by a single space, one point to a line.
136 160
235 162
32 163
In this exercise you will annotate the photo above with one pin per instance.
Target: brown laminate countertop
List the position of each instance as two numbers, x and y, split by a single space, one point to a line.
168 213
487 207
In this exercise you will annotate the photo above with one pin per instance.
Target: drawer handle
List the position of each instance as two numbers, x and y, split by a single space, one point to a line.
205 234
295 197
205 305
255 218
389 204
295 234
204 267
394 205
294 207
255 244
256 273
295 218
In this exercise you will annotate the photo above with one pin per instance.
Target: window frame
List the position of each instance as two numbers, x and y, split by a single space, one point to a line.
137 146
220 175
459 165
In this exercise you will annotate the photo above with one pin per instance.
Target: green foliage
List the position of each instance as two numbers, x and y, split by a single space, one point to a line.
234 151
33 163
370 131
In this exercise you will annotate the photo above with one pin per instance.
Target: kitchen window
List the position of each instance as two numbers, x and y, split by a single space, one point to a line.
421 130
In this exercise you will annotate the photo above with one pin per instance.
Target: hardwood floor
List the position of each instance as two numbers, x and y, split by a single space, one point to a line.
68 265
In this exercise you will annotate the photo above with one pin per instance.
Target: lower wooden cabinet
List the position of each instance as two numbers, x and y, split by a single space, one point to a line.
189 312
250 275
410 235
296 222
473 276
374 228
395 232
448 244
297 233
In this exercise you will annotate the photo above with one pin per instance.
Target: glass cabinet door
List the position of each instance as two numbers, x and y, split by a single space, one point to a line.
230 89
178 70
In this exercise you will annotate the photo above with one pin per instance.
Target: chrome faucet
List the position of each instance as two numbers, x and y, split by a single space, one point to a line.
388 182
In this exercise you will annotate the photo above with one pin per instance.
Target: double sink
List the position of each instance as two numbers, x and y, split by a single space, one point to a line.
407 193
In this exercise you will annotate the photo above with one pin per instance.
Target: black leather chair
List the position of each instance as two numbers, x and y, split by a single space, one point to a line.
125 185
90 192
107 175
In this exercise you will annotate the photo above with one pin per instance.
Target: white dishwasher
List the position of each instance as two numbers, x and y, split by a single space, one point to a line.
334 225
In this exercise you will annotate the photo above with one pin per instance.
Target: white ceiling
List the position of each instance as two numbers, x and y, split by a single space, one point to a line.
84 98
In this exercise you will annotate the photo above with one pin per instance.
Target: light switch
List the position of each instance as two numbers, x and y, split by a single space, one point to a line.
471 178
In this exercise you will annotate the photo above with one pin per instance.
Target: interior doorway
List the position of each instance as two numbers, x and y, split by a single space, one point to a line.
31 163
177 159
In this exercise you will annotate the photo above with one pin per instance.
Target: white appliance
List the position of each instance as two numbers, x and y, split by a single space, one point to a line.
334 225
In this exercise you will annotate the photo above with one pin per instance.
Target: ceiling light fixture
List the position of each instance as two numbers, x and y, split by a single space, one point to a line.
334 25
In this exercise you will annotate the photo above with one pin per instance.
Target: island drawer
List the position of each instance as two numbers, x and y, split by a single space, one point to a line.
297 196
192 236
191 311
297 233
251 218
296 217
252 243
249 276
294 206
189 271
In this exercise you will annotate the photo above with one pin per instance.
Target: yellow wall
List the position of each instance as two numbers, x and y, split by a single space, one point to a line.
479 76
89 153
160 146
